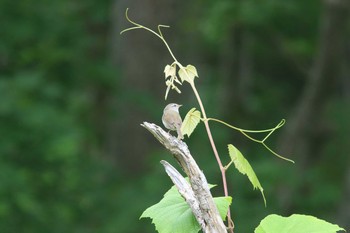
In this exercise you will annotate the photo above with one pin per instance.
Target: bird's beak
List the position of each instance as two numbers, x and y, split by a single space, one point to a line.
180 105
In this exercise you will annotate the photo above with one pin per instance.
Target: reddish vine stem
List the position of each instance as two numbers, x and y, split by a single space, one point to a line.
212 143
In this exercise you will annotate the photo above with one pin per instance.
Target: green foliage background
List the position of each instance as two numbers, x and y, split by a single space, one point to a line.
60 90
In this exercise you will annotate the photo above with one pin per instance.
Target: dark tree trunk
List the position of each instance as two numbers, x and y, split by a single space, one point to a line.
303 130
344 203
142 58
236 68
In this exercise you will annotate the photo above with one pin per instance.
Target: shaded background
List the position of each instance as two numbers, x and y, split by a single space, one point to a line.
73 157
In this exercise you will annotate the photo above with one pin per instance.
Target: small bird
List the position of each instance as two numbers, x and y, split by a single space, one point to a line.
171 118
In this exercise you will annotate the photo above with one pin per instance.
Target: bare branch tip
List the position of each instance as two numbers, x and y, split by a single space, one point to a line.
144 124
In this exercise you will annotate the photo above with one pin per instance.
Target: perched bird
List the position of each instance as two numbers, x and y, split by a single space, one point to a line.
171 119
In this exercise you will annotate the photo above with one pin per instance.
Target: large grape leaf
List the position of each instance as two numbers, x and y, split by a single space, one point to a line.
295 223
173 215
244 167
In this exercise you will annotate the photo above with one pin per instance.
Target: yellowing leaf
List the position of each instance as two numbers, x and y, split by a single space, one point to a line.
171 79
190 122
169 71
188 73
183 75
192 70
244 167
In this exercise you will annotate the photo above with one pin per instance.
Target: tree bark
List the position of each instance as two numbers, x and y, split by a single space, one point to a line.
197 194
344 203
301 128
141 57
236 68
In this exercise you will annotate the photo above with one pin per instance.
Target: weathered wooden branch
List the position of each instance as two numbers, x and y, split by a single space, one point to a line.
185 190
197 194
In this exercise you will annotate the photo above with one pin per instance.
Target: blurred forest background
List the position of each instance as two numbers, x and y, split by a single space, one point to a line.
73 157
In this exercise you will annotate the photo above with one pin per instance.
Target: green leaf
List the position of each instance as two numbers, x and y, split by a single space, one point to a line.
295 223
173 215
244 167
222 203
188 73
190 122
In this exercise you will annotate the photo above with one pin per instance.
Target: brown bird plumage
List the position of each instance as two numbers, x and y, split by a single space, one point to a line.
171 118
